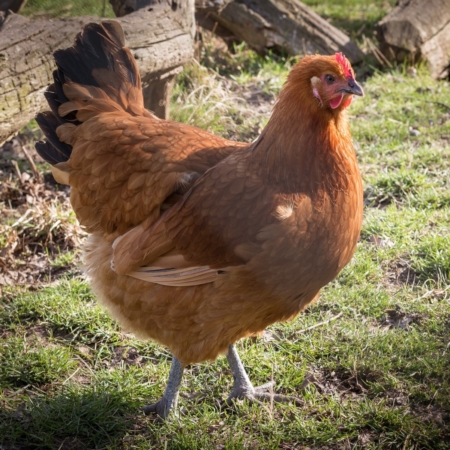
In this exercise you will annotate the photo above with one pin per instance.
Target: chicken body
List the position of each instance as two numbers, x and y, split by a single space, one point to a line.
197 241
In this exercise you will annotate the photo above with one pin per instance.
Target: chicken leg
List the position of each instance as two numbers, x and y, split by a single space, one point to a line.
243 388
169 399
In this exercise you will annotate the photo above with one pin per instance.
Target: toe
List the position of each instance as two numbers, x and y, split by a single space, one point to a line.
278 398
161 408
265 386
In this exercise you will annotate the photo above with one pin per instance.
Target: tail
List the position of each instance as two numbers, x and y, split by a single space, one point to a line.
96 68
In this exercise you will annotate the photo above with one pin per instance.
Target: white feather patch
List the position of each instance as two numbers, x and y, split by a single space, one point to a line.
283 212
315 83
191 276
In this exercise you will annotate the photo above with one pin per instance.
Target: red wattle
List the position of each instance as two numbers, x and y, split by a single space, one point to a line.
348 102
336 101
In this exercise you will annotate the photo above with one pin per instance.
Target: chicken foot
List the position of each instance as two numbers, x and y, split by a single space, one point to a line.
169 399
243 387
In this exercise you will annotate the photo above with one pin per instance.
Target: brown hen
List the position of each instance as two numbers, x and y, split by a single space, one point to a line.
197 241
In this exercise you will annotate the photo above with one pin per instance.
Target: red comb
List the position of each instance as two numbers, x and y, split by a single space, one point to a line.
343 61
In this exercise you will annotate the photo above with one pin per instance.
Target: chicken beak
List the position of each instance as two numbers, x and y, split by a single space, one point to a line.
352 88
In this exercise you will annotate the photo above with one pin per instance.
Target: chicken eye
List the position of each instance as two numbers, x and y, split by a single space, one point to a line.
329 79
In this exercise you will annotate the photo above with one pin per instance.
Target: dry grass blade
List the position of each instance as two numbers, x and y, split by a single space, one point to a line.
320 324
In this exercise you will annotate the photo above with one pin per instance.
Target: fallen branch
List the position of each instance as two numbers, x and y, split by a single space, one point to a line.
36 172
439 103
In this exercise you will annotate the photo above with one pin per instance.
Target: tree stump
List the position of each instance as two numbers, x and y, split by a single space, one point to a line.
418 30
287 26
160 37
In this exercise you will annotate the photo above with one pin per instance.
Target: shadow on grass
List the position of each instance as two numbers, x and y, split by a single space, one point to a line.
72 420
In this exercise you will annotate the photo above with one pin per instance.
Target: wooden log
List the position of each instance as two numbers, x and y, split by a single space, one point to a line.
287 26
124 7
161 40
418 30
210 5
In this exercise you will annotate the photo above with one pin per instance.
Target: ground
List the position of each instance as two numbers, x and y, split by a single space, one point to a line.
370 359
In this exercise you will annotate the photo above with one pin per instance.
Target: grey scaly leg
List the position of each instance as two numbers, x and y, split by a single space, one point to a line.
243 388
170 398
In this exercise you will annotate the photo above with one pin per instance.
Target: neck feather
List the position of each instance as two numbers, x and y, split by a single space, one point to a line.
305 149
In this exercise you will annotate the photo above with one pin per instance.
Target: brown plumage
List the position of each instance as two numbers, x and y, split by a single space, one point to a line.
197 241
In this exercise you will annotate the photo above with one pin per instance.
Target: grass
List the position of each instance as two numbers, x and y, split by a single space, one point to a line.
355 17
375 377
44 9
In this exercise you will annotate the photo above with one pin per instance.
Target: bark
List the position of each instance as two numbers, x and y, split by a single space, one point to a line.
418 30
160 37
288 26
123 7
211 5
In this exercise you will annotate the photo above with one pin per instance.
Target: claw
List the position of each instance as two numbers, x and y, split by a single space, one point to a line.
243 387
162 408
258 394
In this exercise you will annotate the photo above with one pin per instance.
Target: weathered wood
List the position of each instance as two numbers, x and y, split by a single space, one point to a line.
210 5
418 30
283 25
157 93
160 37
123 7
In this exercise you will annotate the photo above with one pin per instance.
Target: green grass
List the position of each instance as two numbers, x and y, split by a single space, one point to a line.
67 8
376 377
355 17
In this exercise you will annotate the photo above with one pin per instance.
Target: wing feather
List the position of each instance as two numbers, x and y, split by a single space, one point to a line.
212 226
192 276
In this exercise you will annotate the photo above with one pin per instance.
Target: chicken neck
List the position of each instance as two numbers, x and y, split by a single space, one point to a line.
304 148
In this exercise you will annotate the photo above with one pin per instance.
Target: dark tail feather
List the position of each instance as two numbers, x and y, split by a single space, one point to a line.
97 47
53 101
48 153
59 80
53 151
